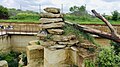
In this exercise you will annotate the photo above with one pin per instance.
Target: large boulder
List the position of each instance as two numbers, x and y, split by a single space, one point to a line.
52 10
3 63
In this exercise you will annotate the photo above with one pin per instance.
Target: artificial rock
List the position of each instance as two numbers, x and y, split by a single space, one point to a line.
3 63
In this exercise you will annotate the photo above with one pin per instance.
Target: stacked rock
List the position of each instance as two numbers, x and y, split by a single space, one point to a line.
52 24
52 38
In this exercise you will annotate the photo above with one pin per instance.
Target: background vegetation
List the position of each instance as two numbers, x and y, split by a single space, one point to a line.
78 14
17 15
81 15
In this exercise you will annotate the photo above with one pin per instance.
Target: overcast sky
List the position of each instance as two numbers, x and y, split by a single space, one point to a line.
102 6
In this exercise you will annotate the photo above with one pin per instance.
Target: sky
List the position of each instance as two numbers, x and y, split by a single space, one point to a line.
101 6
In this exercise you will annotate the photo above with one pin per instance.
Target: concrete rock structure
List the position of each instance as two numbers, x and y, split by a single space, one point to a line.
56 49
3 63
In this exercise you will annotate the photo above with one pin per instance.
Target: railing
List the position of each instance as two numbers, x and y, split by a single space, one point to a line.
19 28
34 28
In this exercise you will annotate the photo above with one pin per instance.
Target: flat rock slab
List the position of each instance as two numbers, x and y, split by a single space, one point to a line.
52 25
50 20
85 45
69 43
52 10
51 15
63 38
3 63
48 43
55 31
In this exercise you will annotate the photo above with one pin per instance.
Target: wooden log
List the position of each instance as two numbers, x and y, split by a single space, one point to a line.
95 32
113 31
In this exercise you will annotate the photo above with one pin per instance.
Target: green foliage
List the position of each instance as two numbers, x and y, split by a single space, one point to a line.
11 58
89 63
79 11
24 58
116 47
26 16
75 18
38 42
108 58
3 12
19 21
115 15
14 12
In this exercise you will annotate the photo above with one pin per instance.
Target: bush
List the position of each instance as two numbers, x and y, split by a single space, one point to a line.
116 47
26 16
11 58
89 63
108 58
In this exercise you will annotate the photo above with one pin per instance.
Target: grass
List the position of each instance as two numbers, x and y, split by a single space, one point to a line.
75 21
26 21
93 22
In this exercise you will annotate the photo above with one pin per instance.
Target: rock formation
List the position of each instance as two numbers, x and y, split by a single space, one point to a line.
59 50
3 63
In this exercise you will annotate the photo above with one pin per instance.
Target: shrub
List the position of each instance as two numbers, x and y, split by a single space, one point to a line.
89 63
11 58
108 58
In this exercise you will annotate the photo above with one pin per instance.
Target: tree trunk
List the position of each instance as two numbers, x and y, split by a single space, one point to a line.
95 32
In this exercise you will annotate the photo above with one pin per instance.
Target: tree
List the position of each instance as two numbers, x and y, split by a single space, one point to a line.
3 12
79 11
115 15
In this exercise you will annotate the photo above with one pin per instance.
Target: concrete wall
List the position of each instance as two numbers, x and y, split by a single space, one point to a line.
15 42
4 44
19 42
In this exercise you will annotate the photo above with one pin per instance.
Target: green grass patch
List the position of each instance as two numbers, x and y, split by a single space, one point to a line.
26 21
93 22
